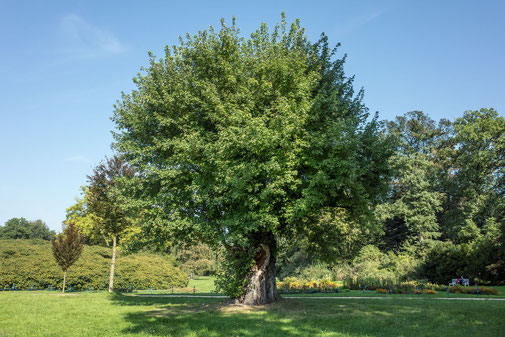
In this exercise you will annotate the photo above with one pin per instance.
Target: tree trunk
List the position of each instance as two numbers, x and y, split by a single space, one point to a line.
262 287
111 278
64 280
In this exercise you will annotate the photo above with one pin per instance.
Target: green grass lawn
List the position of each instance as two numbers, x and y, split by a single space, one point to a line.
103 314
201 285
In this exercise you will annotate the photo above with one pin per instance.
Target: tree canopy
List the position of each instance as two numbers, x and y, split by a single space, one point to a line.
240 142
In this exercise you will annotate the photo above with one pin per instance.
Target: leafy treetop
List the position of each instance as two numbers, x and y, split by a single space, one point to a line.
237 136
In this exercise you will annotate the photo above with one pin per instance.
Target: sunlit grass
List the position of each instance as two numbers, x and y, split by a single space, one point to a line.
199 285
103 314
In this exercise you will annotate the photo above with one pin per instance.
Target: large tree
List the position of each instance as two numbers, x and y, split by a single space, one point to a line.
240 142
104 201
409 215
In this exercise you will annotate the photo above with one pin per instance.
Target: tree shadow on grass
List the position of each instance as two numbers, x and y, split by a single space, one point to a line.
310 317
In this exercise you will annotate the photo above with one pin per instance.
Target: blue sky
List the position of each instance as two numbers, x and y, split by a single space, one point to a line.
64 64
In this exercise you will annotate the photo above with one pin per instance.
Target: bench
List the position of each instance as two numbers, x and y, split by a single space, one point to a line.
464 281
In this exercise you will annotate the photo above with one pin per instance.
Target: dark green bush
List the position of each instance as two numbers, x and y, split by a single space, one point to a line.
477 261
30 262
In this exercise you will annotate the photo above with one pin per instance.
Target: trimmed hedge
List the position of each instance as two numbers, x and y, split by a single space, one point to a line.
30 262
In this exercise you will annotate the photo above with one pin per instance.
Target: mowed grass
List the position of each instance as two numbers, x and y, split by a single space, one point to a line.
103 314
203 284
200 285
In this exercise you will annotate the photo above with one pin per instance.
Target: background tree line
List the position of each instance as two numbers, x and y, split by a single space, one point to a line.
444 213
20 228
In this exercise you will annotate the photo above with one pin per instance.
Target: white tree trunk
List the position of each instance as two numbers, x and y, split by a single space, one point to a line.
64 280
113 262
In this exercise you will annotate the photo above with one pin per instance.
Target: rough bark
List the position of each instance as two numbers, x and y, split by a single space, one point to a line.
64 280
262 287
113 262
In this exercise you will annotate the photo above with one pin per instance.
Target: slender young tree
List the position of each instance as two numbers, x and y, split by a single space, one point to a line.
67 248
240 142
105 202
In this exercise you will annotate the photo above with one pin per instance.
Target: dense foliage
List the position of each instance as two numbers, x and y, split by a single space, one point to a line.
444 216
241 142
20 228
446 204
30 262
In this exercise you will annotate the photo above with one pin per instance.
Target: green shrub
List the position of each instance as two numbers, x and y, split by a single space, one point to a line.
370 283
371 264
476 261
472 290
315 272
30 262
406 287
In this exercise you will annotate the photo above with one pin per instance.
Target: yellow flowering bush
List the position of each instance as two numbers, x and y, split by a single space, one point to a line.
292 284
296 285
310 285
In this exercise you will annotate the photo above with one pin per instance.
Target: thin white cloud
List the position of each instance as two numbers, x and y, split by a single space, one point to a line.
353 23
373 15
85 39
78 159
